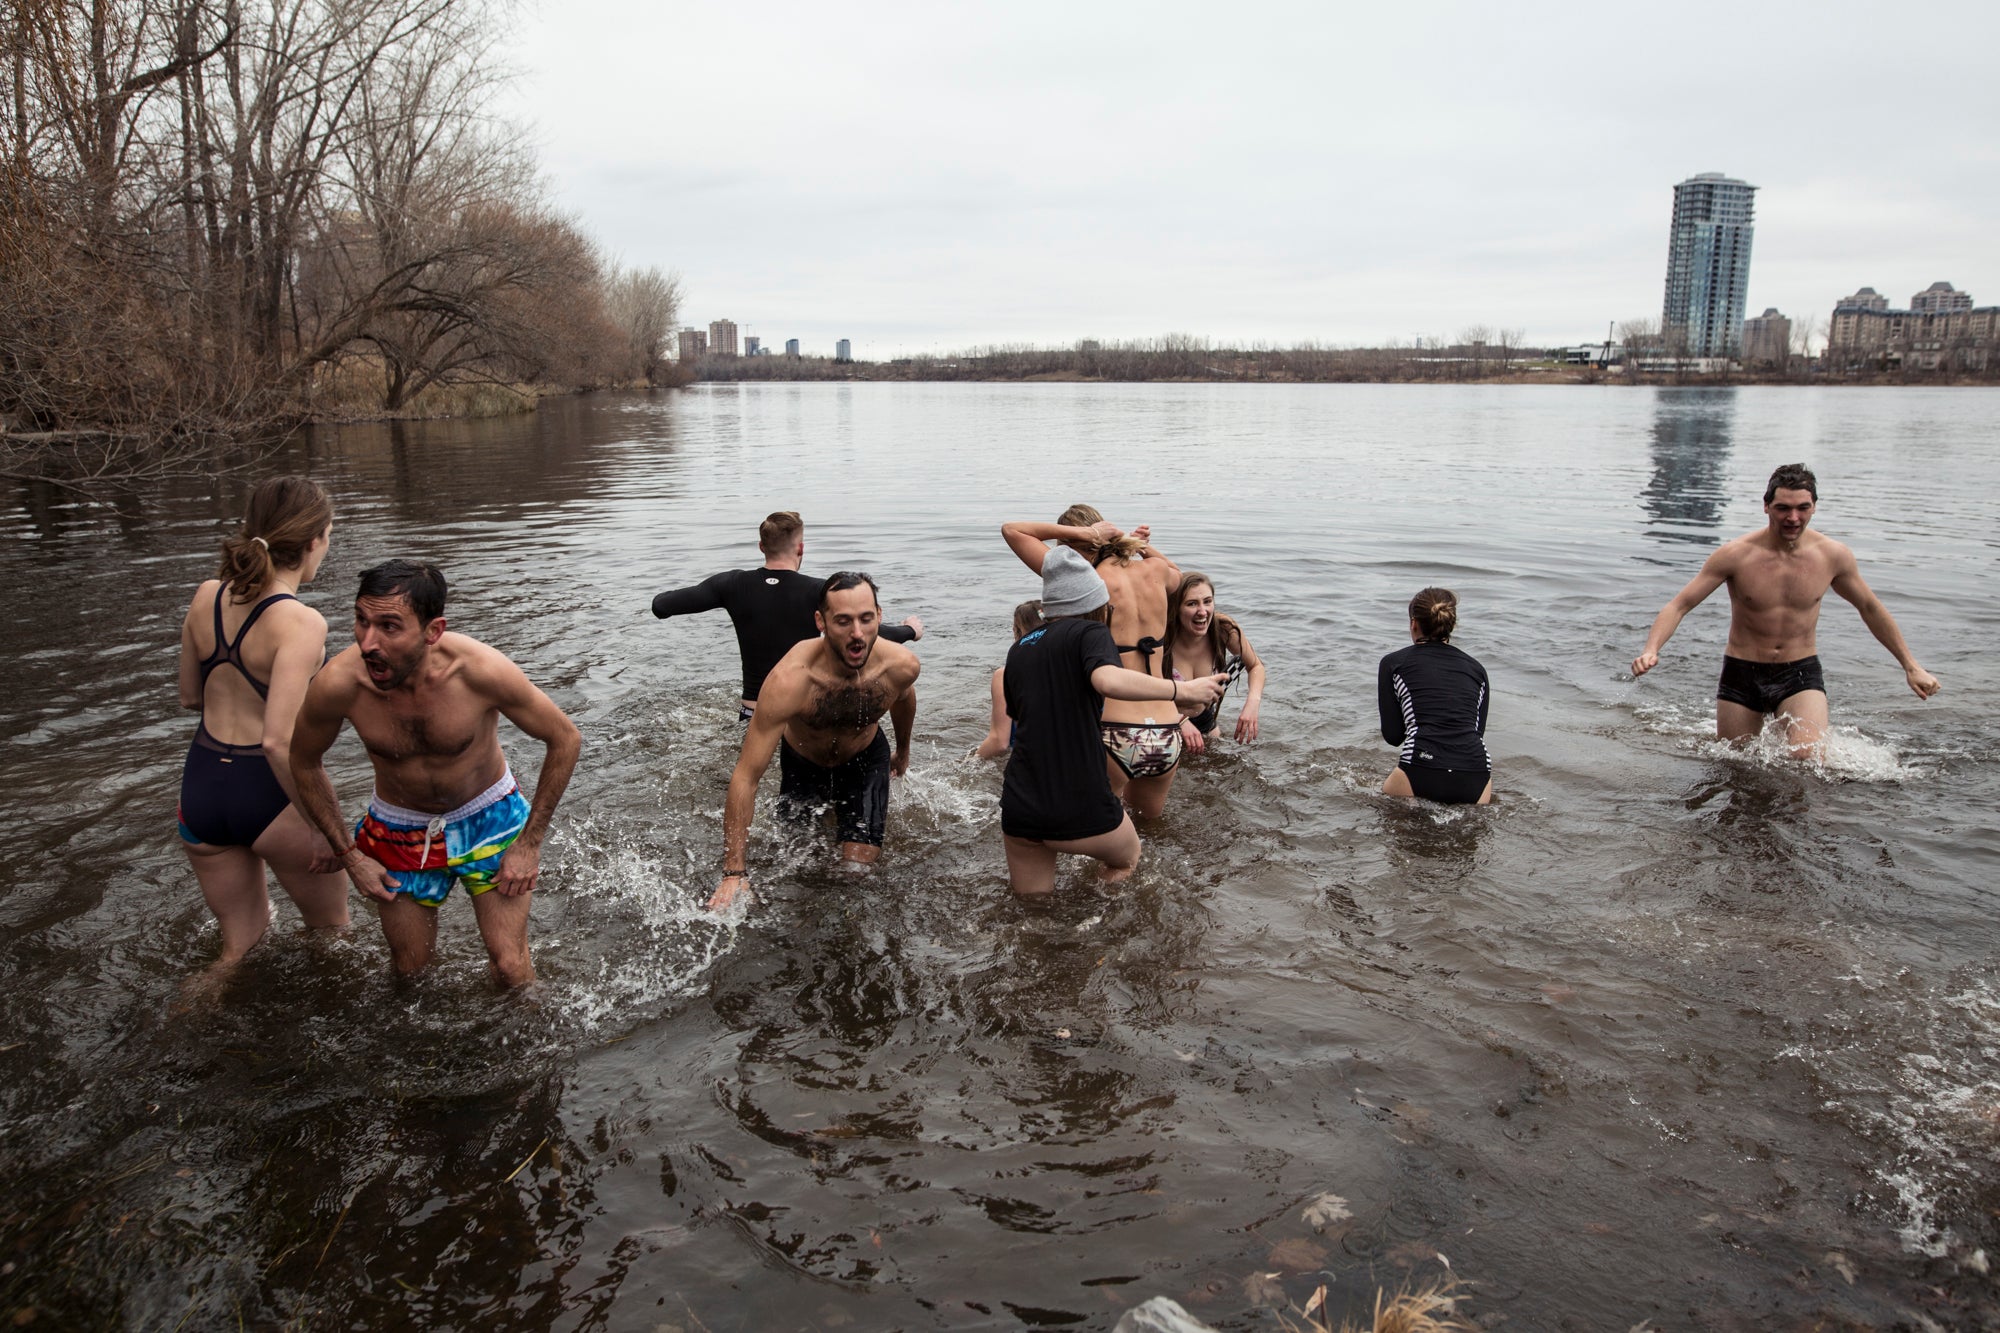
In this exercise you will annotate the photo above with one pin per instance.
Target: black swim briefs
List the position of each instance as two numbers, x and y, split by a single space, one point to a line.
1447 786
1765 685
857 791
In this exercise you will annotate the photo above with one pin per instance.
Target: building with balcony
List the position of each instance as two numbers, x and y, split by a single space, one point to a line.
722 337
693 344
1767 339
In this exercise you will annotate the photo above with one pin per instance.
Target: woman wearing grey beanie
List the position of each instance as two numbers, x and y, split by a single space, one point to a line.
1057 796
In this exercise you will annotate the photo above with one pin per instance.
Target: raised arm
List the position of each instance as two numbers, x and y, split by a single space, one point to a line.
1715 572
1030 540
703 596
909 631
521 702
760 742
1850 585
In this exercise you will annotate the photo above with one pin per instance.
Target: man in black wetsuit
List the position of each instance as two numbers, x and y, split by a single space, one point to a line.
772 607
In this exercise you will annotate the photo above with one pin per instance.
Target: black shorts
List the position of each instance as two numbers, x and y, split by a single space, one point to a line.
857 791
1765 685
1448 786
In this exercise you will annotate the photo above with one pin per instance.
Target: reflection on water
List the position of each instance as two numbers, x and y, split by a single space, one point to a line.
1666 1009
1691 442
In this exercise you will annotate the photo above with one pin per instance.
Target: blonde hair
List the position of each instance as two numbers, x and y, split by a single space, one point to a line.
283 518
1084 516
1028 618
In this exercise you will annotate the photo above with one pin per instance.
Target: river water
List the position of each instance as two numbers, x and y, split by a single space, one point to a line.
1669 1035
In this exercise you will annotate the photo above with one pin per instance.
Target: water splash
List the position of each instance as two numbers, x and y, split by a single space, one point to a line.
1846 754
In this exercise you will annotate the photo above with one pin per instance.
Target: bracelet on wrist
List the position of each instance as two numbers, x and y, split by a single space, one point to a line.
727 873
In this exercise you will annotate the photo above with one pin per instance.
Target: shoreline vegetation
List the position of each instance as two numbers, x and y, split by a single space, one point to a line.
218 223
1181 358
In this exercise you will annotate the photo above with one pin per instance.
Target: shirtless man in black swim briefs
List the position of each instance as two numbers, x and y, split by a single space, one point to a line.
1777 577
821 712
771 606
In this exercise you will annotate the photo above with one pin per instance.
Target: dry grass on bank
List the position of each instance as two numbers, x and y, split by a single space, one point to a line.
1431 1309
352 391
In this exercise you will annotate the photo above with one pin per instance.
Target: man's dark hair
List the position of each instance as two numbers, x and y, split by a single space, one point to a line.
1792 477
845 579
422 584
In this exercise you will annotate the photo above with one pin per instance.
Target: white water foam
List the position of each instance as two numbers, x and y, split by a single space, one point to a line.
1846 754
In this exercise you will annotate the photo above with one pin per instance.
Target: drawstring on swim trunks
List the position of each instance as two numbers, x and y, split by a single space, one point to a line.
431 830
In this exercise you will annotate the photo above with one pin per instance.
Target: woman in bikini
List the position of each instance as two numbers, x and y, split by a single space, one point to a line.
249 647
1000 735
1432 698
1202 642
1142 741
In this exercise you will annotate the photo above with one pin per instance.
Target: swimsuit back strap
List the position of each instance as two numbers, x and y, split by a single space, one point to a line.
232 652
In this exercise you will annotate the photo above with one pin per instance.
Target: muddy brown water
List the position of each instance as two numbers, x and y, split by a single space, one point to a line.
1670 1034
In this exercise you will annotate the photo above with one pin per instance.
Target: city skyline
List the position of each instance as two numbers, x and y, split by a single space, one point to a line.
930 180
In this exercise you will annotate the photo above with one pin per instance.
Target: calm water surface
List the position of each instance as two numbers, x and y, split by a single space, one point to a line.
1670 1034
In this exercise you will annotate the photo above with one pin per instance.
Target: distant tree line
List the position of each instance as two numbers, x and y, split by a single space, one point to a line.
217 216
1478 353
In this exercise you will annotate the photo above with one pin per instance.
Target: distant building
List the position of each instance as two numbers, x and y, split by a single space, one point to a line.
1708 265
753 345
792 348
1767 339
722 337
1940 299
694 344
1590 354
1942 330
843 350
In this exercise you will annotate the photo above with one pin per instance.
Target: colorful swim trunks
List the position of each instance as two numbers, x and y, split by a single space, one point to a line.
427 853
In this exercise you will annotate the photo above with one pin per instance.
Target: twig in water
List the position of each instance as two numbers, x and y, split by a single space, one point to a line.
524 1161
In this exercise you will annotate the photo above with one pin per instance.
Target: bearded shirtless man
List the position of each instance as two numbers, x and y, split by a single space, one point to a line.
427 704
1777 578
820 710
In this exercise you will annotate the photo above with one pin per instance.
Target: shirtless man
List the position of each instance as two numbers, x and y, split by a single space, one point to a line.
821 711
1142 741
772 607
1777 577
427 705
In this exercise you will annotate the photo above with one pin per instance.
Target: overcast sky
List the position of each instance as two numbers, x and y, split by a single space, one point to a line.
936 176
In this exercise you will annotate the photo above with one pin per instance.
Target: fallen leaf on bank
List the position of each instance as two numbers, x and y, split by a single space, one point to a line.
1318 1299
1841 1265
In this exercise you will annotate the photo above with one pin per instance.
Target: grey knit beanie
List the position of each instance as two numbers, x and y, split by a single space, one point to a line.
1070 587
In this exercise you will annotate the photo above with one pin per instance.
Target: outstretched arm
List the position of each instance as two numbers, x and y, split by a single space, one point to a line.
1714 573
1850 585
703 596
760 742
523 704
1189 696
1029 540
1387 707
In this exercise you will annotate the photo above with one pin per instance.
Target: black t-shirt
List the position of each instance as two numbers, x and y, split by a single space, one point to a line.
1433 698
1056 788
772 609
